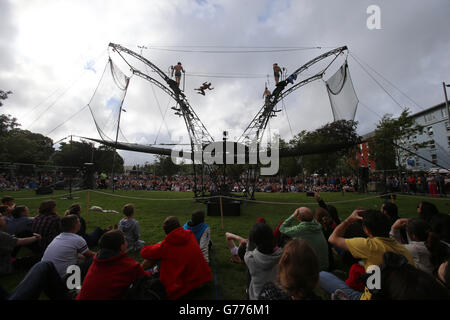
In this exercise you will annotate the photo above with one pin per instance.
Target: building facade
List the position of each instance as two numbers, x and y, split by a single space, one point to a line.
437 130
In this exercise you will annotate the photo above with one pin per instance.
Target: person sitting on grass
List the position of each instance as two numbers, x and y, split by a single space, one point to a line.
297 274
390 209
309 230
46 223
237 251
370 250
426 249
68 248
401 281
330 209
20 224
263 260
322 216
91 238
443 274
41 278
439 222
8 201
182 265
130 228
112 271
8 244
5 212
201 231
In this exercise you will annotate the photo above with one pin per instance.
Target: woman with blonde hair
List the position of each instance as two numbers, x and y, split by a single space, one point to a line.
298 274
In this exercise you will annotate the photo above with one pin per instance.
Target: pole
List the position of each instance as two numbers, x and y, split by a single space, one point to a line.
117 132
87 205
71 164
221 210
446 101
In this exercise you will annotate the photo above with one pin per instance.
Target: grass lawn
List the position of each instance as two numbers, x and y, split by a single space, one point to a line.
229 279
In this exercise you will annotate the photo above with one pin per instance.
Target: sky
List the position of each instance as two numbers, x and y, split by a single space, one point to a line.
53 53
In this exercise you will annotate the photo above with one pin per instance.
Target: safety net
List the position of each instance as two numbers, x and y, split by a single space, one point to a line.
107 101
342 94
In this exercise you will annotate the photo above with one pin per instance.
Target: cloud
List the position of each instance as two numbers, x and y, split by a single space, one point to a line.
50 52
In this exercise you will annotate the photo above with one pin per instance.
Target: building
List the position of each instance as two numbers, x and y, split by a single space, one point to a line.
363 154
437 129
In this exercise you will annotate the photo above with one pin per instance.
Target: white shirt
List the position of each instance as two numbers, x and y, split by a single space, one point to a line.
63 251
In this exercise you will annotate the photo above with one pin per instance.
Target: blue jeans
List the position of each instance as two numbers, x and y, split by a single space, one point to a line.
42 277
330 283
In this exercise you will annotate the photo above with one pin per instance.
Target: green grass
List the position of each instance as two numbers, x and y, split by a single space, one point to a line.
230 278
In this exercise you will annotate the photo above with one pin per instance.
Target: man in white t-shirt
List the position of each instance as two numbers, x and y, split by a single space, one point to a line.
68 248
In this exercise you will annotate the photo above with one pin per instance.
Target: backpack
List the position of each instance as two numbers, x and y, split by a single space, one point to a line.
146 288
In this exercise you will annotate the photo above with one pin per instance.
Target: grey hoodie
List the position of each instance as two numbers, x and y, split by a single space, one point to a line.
130 229
262 268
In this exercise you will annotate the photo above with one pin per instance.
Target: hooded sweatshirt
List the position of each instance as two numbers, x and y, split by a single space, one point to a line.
183 267
310 231
262 268
202 234
109 276
130 229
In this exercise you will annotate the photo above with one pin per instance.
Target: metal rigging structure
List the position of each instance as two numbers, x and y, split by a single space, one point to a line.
255 130
198 134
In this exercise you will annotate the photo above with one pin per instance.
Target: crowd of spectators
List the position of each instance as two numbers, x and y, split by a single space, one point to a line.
288 262
424 183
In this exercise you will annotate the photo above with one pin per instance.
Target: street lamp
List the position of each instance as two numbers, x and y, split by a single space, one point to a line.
446 100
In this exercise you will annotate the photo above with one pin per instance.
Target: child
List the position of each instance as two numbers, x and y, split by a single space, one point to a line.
201 231
130 228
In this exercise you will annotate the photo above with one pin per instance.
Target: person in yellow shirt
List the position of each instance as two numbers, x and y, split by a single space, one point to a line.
369 250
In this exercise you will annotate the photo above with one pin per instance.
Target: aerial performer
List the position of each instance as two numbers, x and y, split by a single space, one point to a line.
178 69
266 95
204 86
277 72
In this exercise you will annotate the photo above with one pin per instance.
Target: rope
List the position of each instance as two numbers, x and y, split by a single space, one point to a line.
287 117
376 81
235 51
395 87
50 196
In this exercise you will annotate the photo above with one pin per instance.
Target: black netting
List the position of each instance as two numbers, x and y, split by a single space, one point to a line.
107 100
342 94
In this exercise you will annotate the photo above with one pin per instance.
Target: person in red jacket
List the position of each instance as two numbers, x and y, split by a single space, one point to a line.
112 271
182 265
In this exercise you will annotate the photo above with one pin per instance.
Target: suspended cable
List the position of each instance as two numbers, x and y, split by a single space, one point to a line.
287 117
65 91
234 51
379 84
365 106
384 78
67 120
159 130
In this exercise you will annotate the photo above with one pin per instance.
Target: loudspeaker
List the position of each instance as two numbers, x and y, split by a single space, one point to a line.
230 208
44 190
364 173
88 176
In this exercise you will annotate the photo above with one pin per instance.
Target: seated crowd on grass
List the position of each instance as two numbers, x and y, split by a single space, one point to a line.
310 249
413 183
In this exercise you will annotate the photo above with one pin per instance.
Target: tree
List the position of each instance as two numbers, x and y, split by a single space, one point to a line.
7 124
338 133
164 166
76 154
392 133
4 96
